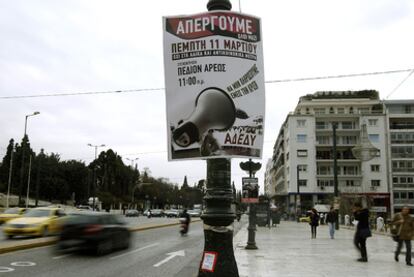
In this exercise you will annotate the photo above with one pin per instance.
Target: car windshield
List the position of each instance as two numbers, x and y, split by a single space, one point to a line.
12 211
37 213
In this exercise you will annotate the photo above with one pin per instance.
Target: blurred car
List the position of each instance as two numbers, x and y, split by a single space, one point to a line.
11 213
304 219
35 222
131 213
84 207
157 213
194 213
172 213
96 232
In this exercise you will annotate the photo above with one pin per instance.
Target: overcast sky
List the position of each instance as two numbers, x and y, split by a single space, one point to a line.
65 46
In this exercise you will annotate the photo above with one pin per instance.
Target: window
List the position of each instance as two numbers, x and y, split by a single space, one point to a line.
349 140
302 183
323 140
301 123
347 125
331 110
394 180
375 183
325 183
363 110
302 153
321 125
301 138
351 110
302 167
350 183
375 168
341 110
319 110
373 137
350 170
287 156
323 170
372 122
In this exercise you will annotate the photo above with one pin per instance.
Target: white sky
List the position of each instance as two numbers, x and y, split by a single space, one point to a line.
49 46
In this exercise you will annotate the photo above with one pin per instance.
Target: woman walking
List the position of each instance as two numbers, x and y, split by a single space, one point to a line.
314 222
362 231
405 226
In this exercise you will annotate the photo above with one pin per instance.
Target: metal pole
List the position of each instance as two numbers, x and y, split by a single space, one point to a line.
298 193
23 161
251 237
335 171
10 177
94 180
28 182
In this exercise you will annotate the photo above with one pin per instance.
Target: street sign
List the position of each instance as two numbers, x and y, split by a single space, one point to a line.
214 84
250 192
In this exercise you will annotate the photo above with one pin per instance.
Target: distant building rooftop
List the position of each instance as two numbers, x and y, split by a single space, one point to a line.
367 94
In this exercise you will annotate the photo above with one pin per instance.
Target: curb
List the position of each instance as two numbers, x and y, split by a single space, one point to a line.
51 241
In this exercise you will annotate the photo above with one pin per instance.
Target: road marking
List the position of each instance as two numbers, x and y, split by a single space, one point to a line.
23 264
6 269
134 251
61 256
170 256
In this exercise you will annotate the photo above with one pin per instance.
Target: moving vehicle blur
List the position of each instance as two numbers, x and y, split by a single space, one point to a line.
95 232
172 213
194 213
157 213
35 222
11 213
131 213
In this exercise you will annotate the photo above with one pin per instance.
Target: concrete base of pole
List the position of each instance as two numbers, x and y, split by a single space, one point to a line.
218 242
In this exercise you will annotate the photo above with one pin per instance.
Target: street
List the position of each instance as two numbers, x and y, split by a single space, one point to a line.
155 252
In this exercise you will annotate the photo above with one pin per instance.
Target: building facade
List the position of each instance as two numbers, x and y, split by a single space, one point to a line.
301 172
400 120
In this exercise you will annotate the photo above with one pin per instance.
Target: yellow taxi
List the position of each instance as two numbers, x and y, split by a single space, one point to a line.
11 213
35 222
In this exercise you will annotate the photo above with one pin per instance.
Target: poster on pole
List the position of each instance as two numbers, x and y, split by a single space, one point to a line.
214 85
250 190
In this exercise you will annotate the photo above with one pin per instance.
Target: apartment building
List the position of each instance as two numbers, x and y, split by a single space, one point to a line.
400 122
302 162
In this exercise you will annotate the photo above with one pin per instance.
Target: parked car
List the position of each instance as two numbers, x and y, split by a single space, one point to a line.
194 213
131 213
172 213
96 232
35 222
11 213
84 207
157 213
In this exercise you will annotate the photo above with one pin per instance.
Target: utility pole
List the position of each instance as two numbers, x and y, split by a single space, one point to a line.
94 174
24 144
10 177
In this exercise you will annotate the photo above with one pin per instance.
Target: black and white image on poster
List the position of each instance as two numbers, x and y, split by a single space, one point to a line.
214 80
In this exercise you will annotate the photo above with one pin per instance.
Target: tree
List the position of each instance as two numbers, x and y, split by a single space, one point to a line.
5 166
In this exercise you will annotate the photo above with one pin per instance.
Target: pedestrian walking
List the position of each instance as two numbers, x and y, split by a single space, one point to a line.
331 220
362 230
380 224
314 222
347 220
405 226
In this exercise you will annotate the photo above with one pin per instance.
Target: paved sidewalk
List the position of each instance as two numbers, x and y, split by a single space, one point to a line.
288 250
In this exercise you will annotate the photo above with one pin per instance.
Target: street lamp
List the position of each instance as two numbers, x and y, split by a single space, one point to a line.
132 161
23 154
10 176
94 173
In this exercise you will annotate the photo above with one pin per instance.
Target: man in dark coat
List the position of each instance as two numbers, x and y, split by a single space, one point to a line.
362 231
314 222
405 226
331 220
